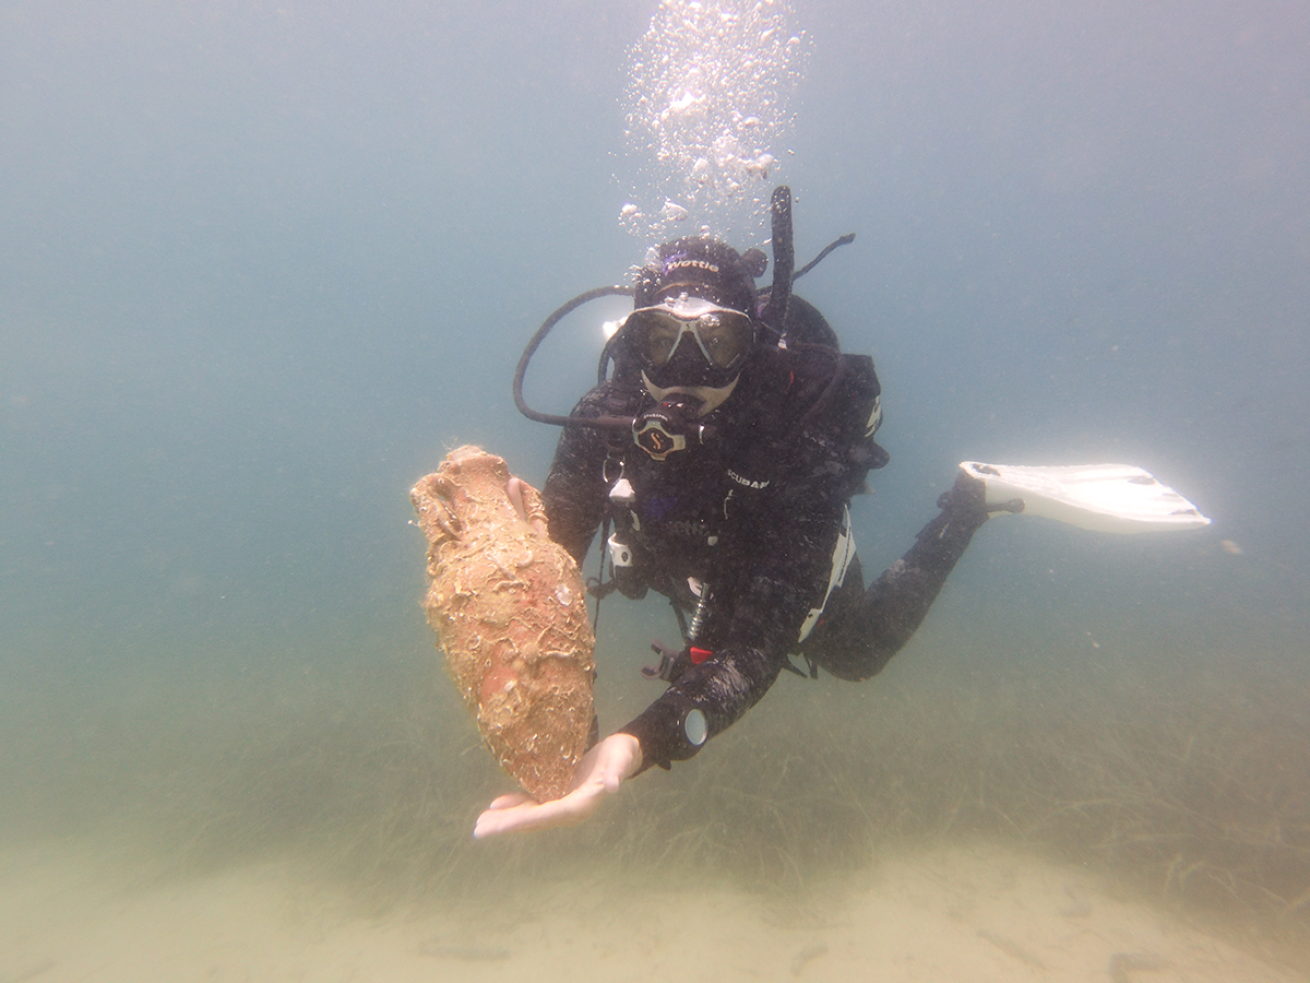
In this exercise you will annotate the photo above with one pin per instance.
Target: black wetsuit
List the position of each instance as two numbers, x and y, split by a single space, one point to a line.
756 511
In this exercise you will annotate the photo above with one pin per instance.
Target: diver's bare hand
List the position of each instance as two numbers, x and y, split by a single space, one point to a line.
599 773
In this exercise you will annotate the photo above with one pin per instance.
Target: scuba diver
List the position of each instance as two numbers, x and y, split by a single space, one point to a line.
723 450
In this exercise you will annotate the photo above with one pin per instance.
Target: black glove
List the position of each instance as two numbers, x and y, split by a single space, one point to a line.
966 502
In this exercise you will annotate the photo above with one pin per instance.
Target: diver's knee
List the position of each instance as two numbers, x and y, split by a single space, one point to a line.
851 667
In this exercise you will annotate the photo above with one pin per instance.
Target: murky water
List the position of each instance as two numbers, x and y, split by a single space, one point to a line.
260 267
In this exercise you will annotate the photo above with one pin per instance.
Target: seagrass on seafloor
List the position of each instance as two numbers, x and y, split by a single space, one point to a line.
509 608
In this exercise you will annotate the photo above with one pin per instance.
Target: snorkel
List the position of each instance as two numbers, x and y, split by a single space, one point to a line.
784 260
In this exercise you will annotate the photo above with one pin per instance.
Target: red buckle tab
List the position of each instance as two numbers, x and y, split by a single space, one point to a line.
698 655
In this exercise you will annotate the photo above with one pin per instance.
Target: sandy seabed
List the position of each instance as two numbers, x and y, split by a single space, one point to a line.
976 914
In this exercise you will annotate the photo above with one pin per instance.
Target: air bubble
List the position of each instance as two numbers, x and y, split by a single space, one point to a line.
673 212
706 102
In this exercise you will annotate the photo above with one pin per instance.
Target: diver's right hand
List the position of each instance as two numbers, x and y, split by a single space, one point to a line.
966 501
599 773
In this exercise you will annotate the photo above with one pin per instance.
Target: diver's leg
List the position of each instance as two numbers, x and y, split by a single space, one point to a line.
861 630
839 643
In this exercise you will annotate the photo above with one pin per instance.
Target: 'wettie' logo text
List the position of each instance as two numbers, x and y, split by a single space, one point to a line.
699 264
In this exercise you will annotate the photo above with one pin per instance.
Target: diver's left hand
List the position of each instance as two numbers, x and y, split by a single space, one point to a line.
599 773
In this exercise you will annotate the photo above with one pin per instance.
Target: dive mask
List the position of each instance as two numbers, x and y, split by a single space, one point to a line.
689 341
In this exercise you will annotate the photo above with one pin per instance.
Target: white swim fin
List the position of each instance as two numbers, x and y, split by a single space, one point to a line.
1100 497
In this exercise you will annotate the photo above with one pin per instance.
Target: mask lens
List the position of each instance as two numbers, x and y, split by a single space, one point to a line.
657 334
723 336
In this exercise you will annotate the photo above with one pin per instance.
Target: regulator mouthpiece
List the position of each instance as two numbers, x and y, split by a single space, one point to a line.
667 427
